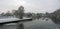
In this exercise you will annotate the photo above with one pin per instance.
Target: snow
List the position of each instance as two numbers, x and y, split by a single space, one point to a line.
8 19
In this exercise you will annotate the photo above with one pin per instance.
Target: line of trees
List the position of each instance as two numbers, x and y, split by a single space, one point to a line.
19 13
6 14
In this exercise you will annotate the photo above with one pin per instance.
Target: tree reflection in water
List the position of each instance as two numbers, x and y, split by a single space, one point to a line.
56 20
20 25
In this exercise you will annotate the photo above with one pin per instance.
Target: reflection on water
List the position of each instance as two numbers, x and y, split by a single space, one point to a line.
35 24
56 21
40 24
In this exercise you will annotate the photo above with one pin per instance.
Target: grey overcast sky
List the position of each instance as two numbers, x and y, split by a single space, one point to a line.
36 6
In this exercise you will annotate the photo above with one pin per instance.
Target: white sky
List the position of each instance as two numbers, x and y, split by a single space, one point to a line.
36 6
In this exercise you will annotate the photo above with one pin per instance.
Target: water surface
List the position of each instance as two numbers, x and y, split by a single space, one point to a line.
35 24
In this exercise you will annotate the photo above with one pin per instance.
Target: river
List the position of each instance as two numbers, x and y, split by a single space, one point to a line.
35 24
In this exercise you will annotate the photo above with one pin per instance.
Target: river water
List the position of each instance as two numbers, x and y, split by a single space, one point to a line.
35 24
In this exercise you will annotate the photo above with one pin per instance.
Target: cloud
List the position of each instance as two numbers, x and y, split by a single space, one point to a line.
36 6
6 5
42 6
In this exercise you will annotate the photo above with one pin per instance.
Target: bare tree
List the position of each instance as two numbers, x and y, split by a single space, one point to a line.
19 13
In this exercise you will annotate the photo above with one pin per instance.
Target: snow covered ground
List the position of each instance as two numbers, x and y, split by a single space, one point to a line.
8 19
